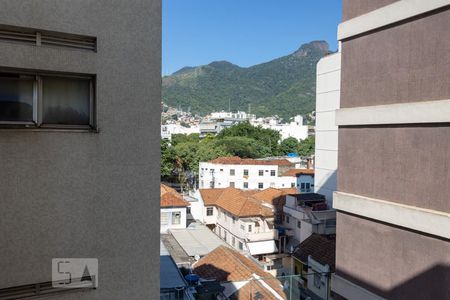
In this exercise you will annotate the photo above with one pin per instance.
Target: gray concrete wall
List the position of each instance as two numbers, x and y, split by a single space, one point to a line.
82 194
355 8
392 262
408 165
405 63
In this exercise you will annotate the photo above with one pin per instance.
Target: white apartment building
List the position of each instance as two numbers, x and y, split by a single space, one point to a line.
169 129
308 213
294 129
217 121
327 101
245 173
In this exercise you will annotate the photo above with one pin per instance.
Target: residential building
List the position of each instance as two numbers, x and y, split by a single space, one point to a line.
305 214
80 88
327 101
393 237
241 277
305 179
168 130
294 129
314 260
173 209
249 174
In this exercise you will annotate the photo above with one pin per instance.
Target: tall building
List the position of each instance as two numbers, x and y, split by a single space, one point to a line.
327 101
393 220
79 116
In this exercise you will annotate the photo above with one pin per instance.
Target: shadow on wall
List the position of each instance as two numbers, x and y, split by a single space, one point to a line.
433 283
328 187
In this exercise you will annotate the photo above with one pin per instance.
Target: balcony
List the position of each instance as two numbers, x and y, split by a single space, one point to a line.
262 236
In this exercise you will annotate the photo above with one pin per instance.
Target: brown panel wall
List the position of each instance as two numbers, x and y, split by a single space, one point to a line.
405 63
409 165
399 264
354 8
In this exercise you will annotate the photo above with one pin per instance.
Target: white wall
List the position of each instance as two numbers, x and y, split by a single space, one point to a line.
222 177
165 227
308 180
327 101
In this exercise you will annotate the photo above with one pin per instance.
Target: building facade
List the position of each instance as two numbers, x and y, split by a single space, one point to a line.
394 147
173 209
79 111
246 173
327 101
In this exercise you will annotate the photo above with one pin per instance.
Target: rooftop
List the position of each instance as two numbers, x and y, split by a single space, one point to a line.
236 160
225 264
243 203
322 248
298 172
169 197
170 276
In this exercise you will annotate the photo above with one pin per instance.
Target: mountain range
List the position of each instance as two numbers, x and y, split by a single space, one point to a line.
284 86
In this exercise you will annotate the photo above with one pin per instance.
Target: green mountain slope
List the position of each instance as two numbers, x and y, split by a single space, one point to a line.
284 86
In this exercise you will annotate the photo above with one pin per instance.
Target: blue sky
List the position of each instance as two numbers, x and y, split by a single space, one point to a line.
244 32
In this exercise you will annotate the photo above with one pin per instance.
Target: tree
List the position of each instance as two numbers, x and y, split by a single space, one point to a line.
167 159
289 145
307 146
243 147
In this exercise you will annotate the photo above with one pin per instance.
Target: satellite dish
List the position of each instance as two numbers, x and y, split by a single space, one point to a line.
197 257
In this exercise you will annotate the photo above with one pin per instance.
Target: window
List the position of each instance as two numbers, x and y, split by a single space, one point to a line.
308 185
241 246
293 185
302 186
299 224
211 184
260 185
209 211
202 184
234 220
245 172
232 184
249 228
220 232
176 218
233 241
164 218
261 172
245 185
224 235
221 170
232 172
272 172
219 213
38 100
287 219
242 227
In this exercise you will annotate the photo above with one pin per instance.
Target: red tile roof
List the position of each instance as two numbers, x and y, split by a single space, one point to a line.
246 203
236 160
298 172
225 264
169 197
322 248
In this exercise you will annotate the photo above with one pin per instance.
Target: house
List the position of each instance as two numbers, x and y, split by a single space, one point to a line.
246 174
173 209
305 179
314 260
241 277
80 94
306 214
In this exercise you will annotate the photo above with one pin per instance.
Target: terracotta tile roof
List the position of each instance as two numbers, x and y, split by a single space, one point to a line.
225 264
237 202
236 160
298 172
322 248
273 196
169 197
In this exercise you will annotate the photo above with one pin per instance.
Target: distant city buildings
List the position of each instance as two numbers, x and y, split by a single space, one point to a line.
294 129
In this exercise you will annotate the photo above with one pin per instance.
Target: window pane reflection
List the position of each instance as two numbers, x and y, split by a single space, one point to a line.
65 101
16 99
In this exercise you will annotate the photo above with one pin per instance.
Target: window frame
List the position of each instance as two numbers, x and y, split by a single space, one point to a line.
38 101
209 211
260 185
